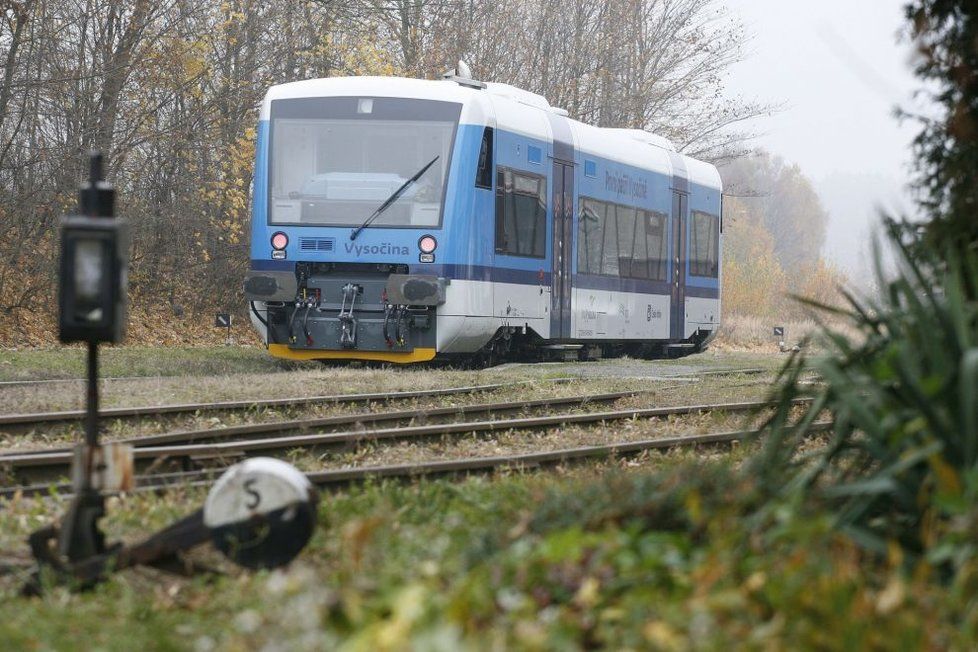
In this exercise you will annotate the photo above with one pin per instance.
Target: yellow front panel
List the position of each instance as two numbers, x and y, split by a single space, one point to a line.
418 355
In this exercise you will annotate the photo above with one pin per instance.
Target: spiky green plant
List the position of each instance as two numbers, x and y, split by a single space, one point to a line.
899 464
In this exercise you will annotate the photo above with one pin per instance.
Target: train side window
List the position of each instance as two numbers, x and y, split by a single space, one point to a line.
590 225
705 245
640 256
626 239
521 214
609 247
655 235
483 173
616 240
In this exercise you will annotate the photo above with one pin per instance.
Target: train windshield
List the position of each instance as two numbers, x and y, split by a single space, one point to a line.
335 160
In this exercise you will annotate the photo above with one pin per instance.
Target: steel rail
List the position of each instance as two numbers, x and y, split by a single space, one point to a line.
48 381
62 460
459 466
747 371
157 410
530 460
302 425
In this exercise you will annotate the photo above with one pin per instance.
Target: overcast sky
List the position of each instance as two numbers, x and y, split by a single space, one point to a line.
839 70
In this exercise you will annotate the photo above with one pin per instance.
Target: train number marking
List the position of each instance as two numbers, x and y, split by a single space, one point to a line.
254 496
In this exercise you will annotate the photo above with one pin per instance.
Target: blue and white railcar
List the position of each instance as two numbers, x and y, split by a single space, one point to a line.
404 220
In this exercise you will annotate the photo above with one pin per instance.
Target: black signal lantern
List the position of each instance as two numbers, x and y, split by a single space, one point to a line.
94 255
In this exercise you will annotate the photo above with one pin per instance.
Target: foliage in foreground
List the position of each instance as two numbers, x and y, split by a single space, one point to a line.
622 560
901 465
945 33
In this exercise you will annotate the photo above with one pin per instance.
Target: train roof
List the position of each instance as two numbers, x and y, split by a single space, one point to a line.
513 109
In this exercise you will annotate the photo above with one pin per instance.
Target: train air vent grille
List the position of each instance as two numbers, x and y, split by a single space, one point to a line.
316 244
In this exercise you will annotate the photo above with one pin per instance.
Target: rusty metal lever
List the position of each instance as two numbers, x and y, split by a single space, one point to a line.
157 550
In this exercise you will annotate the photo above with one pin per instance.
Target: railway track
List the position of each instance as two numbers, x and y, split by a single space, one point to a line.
113 379
75 416
333 478
55 464
249 404
351 420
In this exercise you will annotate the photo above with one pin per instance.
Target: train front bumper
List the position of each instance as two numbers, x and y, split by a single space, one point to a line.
344 316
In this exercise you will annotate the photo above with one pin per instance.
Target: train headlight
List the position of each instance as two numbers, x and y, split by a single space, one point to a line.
427 244
280 241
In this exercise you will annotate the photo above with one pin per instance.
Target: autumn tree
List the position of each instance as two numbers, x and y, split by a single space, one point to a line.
783 199
774 230
753 281
945 33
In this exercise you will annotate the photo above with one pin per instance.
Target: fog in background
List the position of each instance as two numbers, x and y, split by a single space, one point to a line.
839 71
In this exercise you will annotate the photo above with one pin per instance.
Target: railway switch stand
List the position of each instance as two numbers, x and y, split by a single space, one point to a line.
260 513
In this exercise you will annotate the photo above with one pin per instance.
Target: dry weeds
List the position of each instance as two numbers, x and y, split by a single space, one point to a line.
756 334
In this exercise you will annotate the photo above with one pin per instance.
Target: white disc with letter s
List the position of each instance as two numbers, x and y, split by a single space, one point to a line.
261 512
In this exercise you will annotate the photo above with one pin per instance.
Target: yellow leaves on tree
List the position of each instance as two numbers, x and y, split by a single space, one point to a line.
362 56
821 284
753 281
226 197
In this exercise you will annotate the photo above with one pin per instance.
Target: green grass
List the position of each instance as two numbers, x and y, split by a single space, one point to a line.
597 557
123 361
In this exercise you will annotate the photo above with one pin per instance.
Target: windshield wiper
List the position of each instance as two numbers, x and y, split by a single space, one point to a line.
390 200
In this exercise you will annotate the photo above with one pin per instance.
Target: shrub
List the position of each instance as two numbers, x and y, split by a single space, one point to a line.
900 462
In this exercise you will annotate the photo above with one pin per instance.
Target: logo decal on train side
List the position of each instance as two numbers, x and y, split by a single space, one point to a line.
385 249
623 184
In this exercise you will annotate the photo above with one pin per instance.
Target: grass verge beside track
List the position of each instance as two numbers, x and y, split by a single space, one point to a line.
667 549
660 552
129 361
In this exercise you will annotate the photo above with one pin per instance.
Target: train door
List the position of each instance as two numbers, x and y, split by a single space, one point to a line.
678 311
563 240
